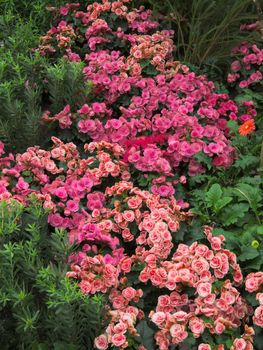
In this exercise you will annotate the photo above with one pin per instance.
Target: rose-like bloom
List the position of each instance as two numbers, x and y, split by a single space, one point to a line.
120 328
163 300
158 318
22 185
247 128
219 328
239 344
180 316
178 331
258 316
129 293
204 347
118 339
200 265
125 264
204 289
259 297
101 342
252 283
197 326
128 215
235 66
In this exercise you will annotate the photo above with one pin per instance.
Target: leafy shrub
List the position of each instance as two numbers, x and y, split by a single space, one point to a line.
38 303
24 92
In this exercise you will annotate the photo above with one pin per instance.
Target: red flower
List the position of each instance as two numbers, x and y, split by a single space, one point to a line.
247 127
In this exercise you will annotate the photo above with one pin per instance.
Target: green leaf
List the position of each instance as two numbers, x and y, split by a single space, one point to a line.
190 340
221 203
254 264
213 195
204 159
146 335
248 193
260 230
246 161
233 125
233 213
249 253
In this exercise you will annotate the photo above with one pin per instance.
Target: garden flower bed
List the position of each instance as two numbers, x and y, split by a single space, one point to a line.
137 224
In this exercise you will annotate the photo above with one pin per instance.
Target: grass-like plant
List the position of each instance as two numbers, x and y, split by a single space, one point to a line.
206 30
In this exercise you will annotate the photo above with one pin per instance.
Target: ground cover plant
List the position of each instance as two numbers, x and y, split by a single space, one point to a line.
138 224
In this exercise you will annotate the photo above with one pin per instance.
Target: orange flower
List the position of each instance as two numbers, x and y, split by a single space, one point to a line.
247 127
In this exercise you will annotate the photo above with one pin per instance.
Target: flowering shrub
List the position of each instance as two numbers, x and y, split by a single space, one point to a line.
246 70
128 249
169 115
149 123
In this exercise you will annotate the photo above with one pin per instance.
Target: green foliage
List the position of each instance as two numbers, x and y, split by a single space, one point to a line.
29 83
67 79
39 307
33 10
146 335
205 31
236 212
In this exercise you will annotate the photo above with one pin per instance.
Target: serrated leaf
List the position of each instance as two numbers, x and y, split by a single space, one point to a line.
213 195
231 241
254 264
248 193
249 253
204 159
246 161
221 203
233 213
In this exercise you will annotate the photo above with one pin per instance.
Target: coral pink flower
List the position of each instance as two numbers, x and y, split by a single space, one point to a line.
101 342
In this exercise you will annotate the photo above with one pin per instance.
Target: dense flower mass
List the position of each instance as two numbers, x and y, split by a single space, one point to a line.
125 232
149 118
246 70
169 115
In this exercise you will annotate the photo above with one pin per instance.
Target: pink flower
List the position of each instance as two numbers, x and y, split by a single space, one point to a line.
72 206
22 185
56 220
129 293
204 289
178 331
63 11
101 342
197 326
235 66
125 264
204 347
128 215
158 318
258 316
239 344
243 84
118 339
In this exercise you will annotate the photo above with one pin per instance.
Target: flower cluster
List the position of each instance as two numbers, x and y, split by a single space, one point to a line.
125 230
246 69
169 115
254 283
201 268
